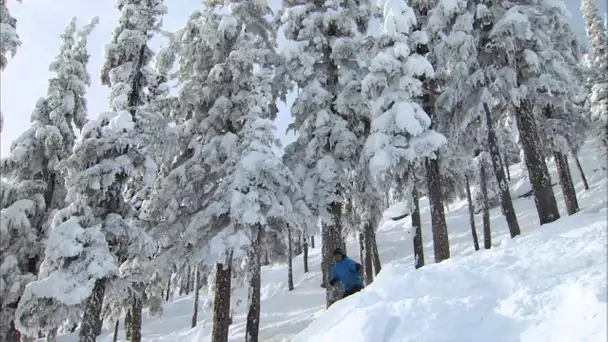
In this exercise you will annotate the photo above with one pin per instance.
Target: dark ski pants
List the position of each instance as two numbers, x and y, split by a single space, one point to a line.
351 291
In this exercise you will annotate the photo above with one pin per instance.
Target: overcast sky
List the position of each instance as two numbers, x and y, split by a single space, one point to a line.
41 22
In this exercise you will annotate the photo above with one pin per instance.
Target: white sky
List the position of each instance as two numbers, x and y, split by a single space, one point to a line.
41 22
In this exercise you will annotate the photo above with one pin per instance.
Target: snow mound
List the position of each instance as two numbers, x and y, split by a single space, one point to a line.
547 285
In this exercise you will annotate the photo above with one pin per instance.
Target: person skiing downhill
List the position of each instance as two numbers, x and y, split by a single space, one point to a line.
348 272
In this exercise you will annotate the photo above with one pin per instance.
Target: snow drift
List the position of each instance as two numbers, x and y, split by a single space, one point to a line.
547 285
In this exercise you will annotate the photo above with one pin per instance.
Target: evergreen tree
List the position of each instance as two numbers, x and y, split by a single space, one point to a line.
321 33
597 101
9 40
401 130
37 187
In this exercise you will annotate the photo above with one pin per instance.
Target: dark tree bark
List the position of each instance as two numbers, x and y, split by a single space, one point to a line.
312 241
92 313
197 287
507 168
332 239
487 233
136 311
182 286
305 257
255 284
299 245
11 334
438 223
375 254
115 335
128 325
538 173
221 307
188 280
168 288
368 265
362 247
266 261
289 260
471 213
505 194
417 230
580 170
565 181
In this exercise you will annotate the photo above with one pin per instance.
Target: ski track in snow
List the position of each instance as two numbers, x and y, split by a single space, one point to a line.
547 285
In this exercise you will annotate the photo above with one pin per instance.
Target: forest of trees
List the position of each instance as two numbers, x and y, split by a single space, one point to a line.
178 187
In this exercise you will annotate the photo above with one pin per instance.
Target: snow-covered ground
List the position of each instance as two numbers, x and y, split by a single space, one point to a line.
547 285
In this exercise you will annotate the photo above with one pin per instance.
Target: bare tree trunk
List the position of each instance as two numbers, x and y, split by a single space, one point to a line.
115 335
221 307
565 180
312 241
11 334
507 167
136 311
487 233
368 265
168 288
266 260
471 213
506 201
417 230
299 245
289 260
375 254
188 280
255 284
332 239
92 313
580 170
128 325
305 257
439 225
51 336
197 287
362 248
538 173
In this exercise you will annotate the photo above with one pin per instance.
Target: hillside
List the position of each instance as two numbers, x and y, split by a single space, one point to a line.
551 276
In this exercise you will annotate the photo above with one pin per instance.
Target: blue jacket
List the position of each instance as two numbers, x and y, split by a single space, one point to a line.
347 272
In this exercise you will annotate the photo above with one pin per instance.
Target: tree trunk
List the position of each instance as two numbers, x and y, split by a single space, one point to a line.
312 241
51 336
565 180
368 265
128 325
289 260
580 170
438 224
188 281
471 213
197 287
332 239
375 254
136 311
487 233
362 248
168 288
11 334
266 260
255 284
92 313
417 230
507 168
305 256
115 335
538 173
221 307
505 194
299 245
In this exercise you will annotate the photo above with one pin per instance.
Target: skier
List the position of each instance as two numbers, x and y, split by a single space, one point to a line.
348 272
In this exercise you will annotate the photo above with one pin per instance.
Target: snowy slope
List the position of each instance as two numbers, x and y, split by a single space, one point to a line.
551 278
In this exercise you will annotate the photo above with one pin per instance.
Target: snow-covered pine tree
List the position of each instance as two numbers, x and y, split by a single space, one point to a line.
319 30
127 70
597 101
32 165
9 39
401 130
